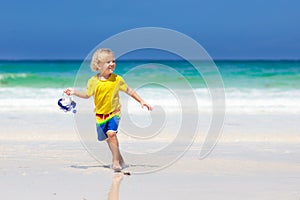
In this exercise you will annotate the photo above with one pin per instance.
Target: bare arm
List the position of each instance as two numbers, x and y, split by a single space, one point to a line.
134 95
80 94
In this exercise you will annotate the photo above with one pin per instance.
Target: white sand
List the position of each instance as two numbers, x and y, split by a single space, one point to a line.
257 157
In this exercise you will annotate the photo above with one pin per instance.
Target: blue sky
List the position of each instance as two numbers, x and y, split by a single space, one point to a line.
232 29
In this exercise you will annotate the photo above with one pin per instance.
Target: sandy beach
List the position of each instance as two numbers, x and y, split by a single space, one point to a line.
42 158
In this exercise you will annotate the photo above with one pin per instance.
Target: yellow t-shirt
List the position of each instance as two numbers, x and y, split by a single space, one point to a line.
106 93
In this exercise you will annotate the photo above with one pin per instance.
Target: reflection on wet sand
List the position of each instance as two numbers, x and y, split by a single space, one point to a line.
113 193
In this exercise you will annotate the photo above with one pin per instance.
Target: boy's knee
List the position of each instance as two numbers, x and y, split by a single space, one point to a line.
111 134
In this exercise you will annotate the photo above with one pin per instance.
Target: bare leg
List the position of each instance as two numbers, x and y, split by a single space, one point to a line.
121 161
113 144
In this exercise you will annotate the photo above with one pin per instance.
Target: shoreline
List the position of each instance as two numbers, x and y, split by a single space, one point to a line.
60 126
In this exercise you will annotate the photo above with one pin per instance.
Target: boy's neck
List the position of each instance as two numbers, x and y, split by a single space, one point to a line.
104 76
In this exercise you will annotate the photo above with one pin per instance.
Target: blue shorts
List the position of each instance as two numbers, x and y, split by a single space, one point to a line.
111 124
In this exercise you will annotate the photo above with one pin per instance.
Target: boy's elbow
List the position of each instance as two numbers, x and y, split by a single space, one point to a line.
129 91
83 95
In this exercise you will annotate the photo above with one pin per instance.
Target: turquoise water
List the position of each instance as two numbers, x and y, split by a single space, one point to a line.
250 86
261 74
235 74
37 74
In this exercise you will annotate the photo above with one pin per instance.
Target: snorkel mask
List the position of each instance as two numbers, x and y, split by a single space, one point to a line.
66 103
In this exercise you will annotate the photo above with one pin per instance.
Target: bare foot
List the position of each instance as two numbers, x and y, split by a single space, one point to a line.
117 167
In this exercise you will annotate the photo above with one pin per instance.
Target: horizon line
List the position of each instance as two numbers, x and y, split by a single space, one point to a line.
144 59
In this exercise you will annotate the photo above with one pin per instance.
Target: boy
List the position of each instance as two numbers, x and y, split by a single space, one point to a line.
105 87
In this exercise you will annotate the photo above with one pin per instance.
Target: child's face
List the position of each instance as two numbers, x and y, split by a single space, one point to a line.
108 64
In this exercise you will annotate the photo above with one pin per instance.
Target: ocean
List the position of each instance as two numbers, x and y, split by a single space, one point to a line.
250 86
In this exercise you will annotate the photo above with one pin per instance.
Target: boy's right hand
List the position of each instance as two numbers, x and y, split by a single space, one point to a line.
69 91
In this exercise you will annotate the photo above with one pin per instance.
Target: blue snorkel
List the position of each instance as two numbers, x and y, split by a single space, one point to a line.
67 104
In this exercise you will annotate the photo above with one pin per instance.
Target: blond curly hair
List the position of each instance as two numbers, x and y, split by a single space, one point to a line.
98 58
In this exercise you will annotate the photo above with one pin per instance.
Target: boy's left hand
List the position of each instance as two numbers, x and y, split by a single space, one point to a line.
144 104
